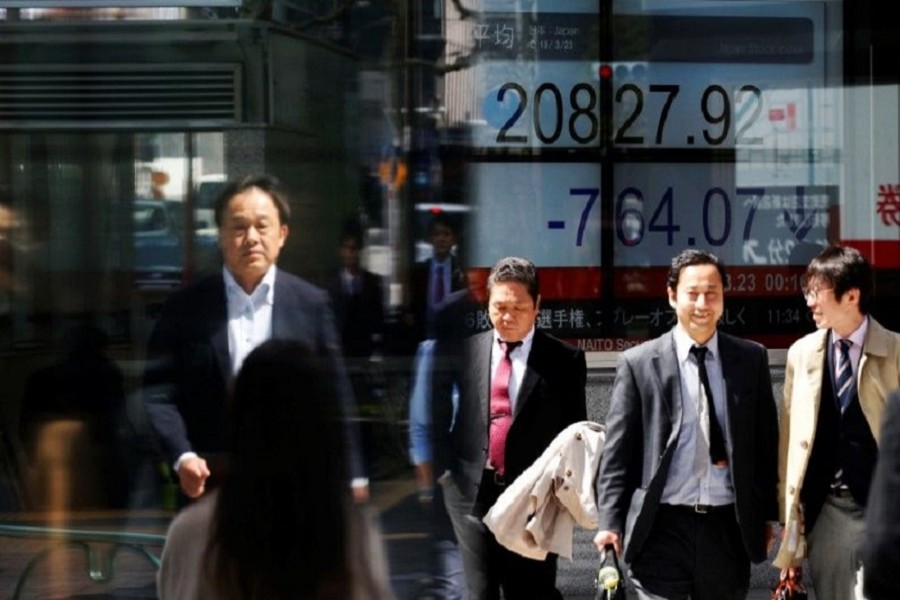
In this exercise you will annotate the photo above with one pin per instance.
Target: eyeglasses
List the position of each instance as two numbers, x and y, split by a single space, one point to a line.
812 294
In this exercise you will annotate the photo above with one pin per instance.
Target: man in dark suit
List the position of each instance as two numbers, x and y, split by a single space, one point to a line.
881 544
434 279
518 389
687 481
206 330
358 298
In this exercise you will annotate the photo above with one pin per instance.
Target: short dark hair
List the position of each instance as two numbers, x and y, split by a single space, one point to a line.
441 219
275 534
689 258
352 230
262 181
513 269
843 268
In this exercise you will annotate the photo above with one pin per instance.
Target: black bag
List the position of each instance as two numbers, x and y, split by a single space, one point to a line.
790 585
610 583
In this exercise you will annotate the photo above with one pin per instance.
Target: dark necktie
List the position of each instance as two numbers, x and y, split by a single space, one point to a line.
717 453
438 284
843 387
501 413
843 374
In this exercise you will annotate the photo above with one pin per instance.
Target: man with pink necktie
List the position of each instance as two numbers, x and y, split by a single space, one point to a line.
518 389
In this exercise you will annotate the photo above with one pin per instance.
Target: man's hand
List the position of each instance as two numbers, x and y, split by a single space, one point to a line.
360 493
425 483
192 476
604 538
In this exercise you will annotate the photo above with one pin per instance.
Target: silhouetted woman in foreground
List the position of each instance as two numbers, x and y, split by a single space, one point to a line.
282 524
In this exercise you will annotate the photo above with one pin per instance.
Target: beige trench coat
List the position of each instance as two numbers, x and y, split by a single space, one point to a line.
878 374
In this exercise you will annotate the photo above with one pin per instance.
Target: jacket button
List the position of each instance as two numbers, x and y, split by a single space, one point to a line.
578 436
568 472
804 444
791 490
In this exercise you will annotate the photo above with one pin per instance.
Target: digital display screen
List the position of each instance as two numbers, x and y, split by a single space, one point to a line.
549 212
534 80
723 134
716 76
702 206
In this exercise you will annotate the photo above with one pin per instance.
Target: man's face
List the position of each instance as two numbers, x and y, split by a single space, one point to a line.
350 255
698 301
251 236
830 312
442 240
512 310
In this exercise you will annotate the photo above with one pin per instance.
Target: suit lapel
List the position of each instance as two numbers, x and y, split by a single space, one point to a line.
532 376
731 374
216 309
481 370
815 370
290 318
666 368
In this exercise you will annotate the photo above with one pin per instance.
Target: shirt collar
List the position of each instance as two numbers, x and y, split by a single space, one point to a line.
442 263
683 344
857 337
526 341
265 289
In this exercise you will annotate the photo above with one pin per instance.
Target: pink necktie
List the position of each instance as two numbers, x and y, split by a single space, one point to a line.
501 415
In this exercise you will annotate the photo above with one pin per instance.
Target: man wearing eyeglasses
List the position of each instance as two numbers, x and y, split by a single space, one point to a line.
834 397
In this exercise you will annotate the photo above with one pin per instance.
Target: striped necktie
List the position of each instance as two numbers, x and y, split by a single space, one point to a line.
843 374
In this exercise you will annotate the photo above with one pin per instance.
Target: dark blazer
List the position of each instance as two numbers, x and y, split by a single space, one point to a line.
360 316
419 295
881 545
551 397
642 430
189 367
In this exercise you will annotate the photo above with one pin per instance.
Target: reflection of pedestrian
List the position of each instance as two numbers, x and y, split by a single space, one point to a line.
71 417
206 330
687 479
448 580
358 299
435 278
881 544
518 389
281 525
835 384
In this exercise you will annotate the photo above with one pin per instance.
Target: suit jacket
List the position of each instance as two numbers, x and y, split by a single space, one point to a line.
419 296
551 397
360 316
189 366
881 547
642 429
878 373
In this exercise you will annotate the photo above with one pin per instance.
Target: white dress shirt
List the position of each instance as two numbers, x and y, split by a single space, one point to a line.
519 358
